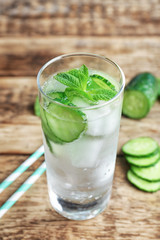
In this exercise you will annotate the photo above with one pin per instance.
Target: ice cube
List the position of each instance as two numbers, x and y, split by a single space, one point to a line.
80 102
81 153
53 85
85 153
103 121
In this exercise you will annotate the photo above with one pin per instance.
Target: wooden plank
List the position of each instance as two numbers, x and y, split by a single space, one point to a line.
20 138
17 100
21 128
25 56
128 215
86 18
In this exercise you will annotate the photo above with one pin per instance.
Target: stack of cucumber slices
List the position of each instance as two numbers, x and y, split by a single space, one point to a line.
143 155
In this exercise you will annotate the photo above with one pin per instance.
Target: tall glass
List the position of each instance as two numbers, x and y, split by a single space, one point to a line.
80 172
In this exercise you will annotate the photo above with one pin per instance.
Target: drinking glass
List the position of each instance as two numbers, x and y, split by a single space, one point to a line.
80 172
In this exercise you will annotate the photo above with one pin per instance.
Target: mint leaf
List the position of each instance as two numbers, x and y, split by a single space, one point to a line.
84 70
54 95
102 94
74 78
64 101
80 76
68 79
72 93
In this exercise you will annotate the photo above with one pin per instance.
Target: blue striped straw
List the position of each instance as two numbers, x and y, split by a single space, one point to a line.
22 189
22 168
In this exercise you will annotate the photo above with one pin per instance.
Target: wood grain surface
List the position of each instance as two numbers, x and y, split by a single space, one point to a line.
31 33
85 17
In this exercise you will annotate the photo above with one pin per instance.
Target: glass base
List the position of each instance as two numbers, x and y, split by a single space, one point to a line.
76 211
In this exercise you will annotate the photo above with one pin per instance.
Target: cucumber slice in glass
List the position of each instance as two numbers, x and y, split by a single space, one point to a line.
139 147
66 123
46 128
150 174
143 161
143 184
99 82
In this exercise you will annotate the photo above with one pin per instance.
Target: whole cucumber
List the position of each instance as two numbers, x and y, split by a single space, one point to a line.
140 95
158 80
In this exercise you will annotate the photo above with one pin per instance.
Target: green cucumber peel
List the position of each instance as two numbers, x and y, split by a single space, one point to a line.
158 81
151 173
140 94
48 143
66 123
143 184
97 81
140 147
47 129
143 161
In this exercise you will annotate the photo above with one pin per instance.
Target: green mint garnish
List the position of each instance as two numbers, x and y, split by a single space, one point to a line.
74 78
72 93
102 94
54 95
90 88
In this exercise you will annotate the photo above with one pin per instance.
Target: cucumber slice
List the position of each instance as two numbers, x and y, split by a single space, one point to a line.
150 174
46 128
139 147
143 184
48 143
140 95
97 81
143 161
65 123
135 104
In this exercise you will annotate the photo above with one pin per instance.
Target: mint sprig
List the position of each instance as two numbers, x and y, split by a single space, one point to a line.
90 88
102 94
69 79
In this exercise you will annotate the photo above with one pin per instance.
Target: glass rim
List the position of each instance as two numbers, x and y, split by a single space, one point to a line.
81 54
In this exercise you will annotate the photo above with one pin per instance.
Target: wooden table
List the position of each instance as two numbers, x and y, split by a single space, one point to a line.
31 33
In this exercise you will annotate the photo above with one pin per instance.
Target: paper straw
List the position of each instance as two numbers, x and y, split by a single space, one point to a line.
22 189
22 168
